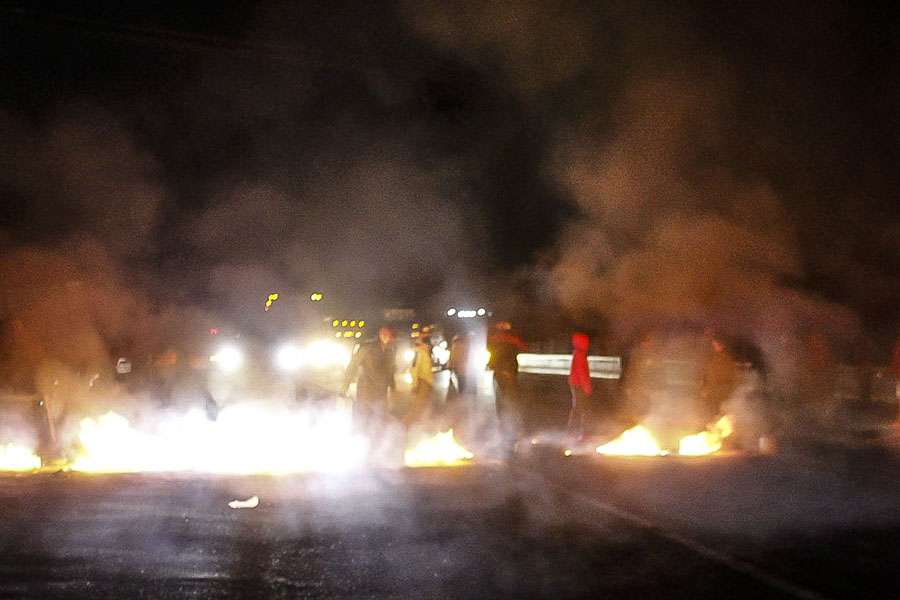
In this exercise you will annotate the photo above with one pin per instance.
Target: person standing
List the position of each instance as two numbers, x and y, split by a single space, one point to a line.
459 366
422 381
719 379
374 362
894 369
580 385
504 347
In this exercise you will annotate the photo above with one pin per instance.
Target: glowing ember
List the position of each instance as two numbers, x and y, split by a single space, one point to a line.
18 458
440 450
637 441
244 439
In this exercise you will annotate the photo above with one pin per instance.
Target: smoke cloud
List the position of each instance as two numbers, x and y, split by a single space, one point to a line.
675 227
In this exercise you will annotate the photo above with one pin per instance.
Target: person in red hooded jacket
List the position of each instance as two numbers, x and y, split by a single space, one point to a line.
580 384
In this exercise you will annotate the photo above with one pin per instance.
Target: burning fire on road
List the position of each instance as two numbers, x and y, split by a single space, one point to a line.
440 450
640 441
243 440
14 457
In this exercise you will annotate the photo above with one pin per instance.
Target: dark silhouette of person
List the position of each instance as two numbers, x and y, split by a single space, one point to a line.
373 365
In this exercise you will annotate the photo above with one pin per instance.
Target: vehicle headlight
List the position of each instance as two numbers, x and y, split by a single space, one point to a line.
288 358
228 358
328 353
441 354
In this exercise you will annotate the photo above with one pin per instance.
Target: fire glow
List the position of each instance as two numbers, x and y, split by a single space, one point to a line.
440 450
639 441
18 458
243 440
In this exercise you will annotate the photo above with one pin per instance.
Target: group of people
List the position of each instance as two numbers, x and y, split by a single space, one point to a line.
645 384
373 366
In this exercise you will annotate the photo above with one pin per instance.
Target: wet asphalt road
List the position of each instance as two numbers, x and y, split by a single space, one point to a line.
816 523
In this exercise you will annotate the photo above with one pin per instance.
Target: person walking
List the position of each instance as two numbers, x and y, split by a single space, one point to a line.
373 365
504 347
422 381
719 379
580 386
459 366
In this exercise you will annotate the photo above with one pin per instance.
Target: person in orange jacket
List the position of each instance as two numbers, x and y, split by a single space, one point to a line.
580 384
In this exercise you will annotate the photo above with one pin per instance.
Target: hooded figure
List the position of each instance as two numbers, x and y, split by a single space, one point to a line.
375 364
580 384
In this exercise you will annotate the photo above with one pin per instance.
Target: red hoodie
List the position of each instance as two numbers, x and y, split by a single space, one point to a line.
580 374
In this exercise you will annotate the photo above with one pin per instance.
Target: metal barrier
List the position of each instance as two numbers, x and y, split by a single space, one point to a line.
602 367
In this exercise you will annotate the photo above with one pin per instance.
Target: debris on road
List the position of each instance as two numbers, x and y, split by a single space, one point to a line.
251 502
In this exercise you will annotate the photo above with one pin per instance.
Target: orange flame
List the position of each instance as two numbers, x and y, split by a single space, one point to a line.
18 458
639 441
243 440
440 450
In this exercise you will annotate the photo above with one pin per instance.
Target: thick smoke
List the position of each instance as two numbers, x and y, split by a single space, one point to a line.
673 230
680 228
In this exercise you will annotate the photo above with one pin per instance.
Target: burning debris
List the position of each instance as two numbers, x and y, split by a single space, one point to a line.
440 450
14 457
244 439
640 441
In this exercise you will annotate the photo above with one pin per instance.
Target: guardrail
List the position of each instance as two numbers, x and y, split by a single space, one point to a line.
602 367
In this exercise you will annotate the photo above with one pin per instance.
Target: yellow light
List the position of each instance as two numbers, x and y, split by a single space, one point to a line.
348 334
343 323
352 323
362 323
335 323
273 296
415 325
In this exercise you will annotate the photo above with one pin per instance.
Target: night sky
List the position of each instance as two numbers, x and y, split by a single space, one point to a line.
730 164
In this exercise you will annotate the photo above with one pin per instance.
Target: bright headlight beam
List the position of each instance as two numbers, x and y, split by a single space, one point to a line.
328 353
228 358
288 358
